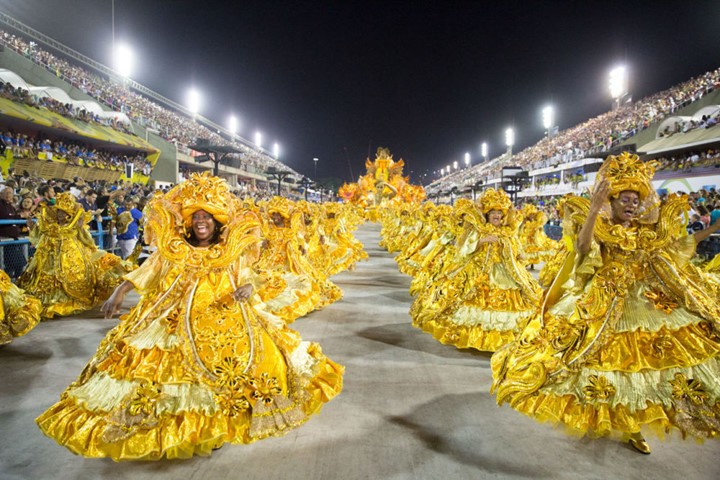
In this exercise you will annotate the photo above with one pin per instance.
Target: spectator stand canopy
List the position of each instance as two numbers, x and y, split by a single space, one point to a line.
214 153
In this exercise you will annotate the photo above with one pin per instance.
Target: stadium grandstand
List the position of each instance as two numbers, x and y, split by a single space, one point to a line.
676 127
64 115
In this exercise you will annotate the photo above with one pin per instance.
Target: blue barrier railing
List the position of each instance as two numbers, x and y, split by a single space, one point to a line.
99 236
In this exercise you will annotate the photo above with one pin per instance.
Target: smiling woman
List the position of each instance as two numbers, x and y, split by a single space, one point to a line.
198 362
628 336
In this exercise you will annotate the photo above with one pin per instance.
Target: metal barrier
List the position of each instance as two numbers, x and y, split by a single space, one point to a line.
15 253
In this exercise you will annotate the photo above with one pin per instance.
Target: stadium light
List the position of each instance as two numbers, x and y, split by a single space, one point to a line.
547 118
258 139
455 165
123 58
276 150
447 169
442 171
509 137
315 161
618 82
509 141
484 151
193 101
467 159
233 125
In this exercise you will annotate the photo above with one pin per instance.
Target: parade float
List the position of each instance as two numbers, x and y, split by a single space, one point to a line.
382 184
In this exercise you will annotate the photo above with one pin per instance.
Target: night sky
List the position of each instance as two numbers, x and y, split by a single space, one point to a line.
429 80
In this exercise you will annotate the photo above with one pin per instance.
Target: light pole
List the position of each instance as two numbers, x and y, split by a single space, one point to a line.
315 160
455 164
509 141
276 150
618 85
233 126
484 151
194 102
467 159
548 120
123 59
258 139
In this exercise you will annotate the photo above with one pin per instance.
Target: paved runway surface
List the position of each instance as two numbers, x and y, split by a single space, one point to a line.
411 408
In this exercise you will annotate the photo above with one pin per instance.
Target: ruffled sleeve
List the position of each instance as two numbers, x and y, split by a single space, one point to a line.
683 250
148 276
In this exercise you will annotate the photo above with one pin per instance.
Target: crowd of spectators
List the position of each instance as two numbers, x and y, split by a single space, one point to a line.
68 110
596 135
39 146
689 161
683 125
172 126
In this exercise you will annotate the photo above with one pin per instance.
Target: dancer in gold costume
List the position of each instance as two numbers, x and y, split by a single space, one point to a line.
68 273
19 312
487 294
198 362
626 339
537 247
292 287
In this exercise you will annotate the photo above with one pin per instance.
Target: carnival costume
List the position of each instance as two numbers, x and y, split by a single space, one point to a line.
19 312
292 287
625 338
67 272
486 295
190 367
344 249
537 247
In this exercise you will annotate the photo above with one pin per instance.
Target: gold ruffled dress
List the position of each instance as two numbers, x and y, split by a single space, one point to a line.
485 295
19 312
537 247
68 273
627 337
189 368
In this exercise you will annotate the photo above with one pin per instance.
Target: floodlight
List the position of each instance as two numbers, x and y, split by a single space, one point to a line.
509 137
123 58
547 117
193 101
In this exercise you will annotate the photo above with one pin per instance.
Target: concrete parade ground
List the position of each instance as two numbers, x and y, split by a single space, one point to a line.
411 407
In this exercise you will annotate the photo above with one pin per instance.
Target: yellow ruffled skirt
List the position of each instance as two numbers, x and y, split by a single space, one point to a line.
656 369
153 391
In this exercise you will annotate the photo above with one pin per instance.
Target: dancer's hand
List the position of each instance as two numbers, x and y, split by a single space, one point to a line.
243 293
112 305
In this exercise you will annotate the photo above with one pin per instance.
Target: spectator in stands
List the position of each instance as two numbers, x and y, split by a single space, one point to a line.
47 195
128 239
13 255
715 213
695 224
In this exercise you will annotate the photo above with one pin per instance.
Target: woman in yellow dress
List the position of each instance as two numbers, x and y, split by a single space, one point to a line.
198 362
537 247
67 272
292 287
487 294
19 312
625 338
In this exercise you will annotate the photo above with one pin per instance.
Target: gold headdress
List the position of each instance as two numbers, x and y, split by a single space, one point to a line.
202 192
627 172
166 218
280 205
67 202
492 199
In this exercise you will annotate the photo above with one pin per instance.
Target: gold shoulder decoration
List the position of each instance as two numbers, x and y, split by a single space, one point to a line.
167 218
